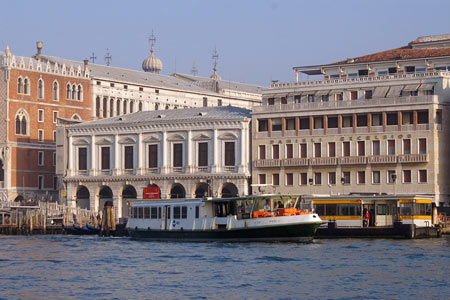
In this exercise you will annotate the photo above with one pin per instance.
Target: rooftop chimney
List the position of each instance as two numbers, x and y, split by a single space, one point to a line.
39 47
85 64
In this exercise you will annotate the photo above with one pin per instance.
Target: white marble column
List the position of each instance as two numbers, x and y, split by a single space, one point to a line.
116 163
189 152
215 166
93 167
70 157
140 149
164 153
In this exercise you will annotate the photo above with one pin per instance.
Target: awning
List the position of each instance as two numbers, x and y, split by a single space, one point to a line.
411 87
394 91
380 92
426 86
322 92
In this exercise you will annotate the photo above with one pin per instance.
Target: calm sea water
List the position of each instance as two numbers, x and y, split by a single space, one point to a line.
71 267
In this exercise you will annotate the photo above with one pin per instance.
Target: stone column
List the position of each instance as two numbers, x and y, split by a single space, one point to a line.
116 154
369 121
339 124
93 167
311 124
384 115
215 166
189 153
71 157
297 125
415 117
269 133
399 120
164 153
325 124
283 126
355 122
140 155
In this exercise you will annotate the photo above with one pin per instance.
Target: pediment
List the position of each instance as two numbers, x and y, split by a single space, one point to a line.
176 137
104 141
151 139
80 141
127 140
201 137
228 136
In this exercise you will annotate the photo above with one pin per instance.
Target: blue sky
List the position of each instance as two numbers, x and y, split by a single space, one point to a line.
257 40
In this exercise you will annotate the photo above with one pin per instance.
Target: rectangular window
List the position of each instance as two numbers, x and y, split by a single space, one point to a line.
422 146
318 178
152 156
176 212
219 102
289 151
275 179
376 177
205 102
40 158
147 212
364 72
275 151
276 124
406 176
82 159
262 151
332 149
289 178
406 146
317 150
391 147
391 176
375 147
197 212
178 155
40 182
55 116
332 178
40 115
304 123
54 159
54 136
392 70
229 154
263 125
290 124
353 95
184 212
310 98
422 176
361 148
303 151
41 135
410 69
345 148
262 178
303 178
271 101
361 177
105 158
55 183
129 158
346 176
283 100
203 154
368 94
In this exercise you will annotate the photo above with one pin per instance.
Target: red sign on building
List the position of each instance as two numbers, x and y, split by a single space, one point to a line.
152 192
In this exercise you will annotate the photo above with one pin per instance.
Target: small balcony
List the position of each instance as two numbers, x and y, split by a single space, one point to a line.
353 160
381 159
203 169
81 172
152 170
413 158
266 163
295 162
323 161
177 170
229 169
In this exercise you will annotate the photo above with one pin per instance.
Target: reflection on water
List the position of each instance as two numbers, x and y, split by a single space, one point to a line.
70 267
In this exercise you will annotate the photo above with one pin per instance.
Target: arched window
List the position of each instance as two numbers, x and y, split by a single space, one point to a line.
19 86
40 89
17 125
76 117
74 92
167 106
21 122
131 107
69 92
156 106
26 86
105 107
118 107
124 106
97 107
140 106
55 90
80 93
111 108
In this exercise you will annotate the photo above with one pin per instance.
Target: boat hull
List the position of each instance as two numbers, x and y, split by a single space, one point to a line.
290 232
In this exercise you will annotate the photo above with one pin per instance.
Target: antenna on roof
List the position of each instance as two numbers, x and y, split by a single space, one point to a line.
152 39
108 57
194 70
93 58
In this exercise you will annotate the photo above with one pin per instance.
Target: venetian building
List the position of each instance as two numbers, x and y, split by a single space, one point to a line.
377 123
188 153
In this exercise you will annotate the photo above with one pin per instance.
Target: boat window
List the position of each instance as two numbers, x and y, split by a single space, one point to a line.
197 212
406 209
423 209
320 209
168 212
184 212
331 210
146 212
159 212
141 212
176 212
154 212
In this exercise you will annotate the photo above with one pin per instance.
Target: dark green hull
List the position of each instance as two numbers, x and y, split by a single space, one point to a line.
295 232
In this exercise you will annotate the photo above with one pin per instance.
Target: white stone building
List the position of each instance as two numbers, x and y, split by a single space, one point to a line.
378 123
186 153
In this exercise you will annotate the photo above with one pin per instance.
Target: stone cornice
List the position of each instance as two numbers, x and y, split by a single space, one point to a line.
103 178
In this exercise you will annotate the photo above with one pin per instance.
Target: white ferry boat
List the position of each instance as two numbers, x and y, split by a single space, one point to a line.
251 218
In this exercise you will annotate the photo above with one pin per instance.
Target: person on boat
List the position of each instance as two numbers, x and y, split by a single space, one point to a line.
366 217
280 204
267 206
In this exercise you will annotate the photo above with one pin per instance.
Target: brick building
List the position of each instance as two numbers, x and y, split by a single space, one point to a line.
33 95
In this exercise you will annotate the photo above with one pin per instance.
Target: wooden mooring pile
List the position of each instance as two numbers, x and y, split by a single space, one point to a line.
42 217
